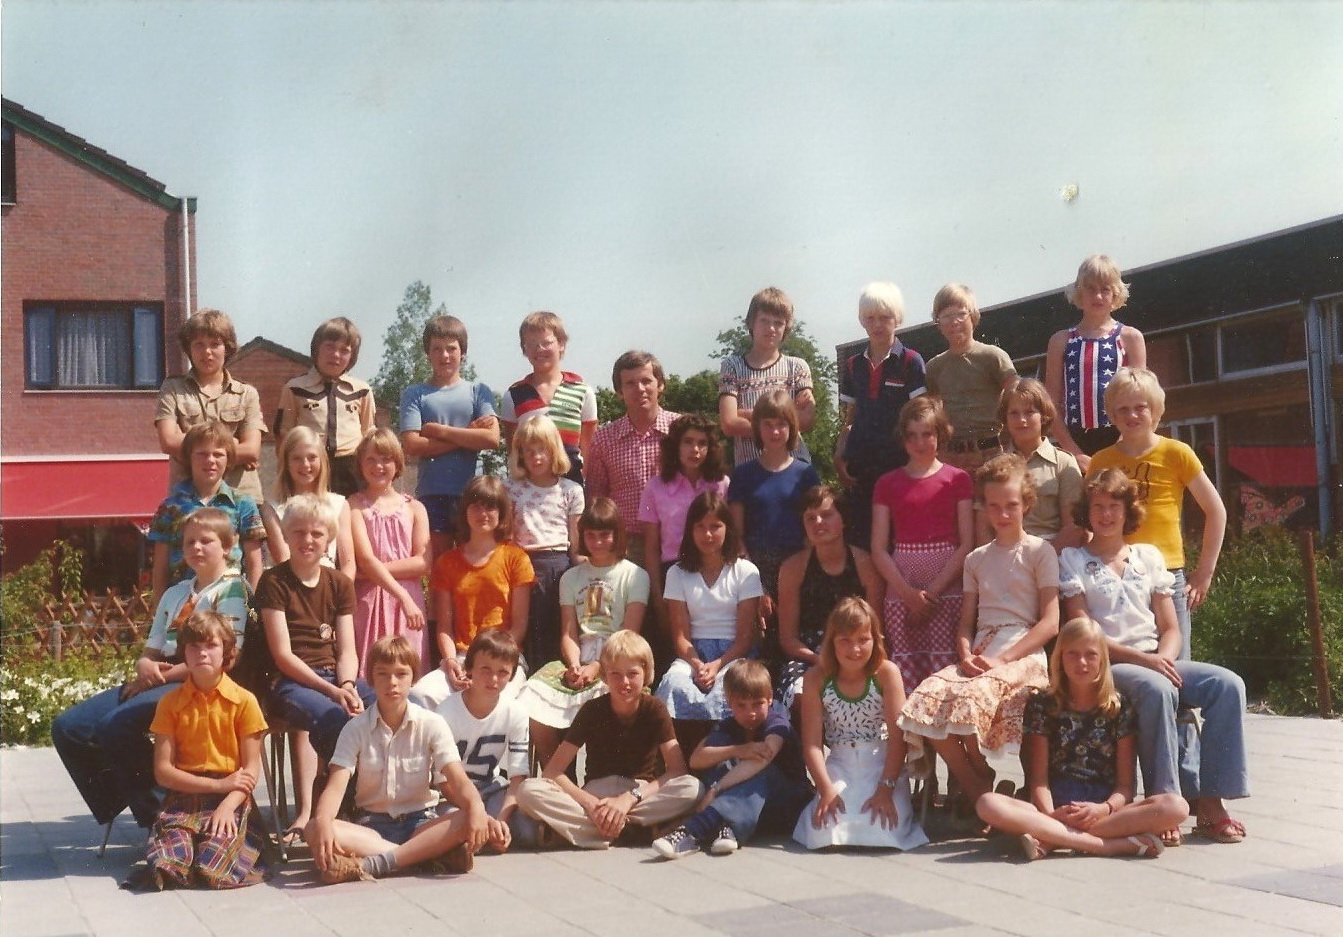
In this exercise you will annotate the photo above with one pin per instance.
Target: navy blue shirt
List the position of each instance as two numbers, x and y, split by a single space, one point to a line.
877 394
788 761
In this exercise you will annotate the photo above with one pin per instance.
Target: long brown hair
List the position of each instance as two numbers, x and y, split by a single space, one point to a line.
706 503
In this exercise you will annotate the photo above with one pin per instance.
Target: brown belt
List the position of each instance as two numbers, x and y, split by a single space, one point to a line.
974 445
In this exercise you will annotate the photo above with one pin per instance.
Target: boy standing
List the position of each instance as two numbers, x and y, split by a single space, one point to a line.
208 392
873 385
208 449
755 765
330 401
492 734
446 423
636 772
743 378
969 376
401 756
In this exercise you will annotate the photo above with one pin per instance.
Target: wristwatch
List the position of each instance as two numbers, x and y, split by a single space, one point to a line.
637 793
888 783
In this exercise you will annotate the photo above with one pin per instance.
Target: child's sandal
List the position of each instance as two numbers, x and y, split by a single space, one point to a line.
1031 848
1149 845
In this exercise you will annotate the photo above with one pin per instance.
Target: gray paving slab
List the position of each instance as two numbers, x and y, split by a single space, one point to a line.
1286 878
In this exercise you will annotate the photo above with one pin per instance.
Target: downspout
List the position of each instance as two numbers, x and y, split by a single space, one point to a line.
186 261
1317 377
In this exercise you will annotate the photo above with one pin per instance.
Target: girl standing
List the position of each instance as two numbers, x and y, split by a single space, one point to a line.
304 469
546 508
850 700
922 529
391 545
713 598
1078 754
597 598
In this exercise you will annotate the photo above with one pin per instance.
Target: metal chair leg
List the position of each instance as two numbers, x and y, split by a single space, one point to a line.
107 835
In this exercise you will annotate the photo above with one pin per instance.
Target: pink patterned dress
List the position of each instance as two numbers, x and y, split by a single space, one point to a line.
379 613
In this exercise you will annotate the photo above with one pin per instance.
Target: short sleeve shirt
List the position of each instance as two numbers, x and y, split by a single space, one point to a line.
877 391
667 504
481 595
207 727
1121 605
573 404
924 510
492 749
308 400
788 760
772 501
1058 486
237 406
227 595
970 384
1083 746
396 772
713 609
1009 579
455 405
310 611
622 749
738 379
166 525
541 514
1162 476
622 460
598 595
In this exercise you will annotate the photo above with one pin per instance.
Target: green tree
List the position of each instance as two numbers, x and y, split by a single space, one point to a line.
824 375
697 393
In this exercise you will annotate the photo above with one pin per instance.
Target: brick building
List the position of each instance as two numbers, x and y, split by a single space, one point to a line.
99 273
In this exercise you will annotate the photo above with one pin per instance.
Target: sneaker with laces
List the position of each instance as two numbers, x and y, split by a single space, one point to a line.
344 868
725 843
675 844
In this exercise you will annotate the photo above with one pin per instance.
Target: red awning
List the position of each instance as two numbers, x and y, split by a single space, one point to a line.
1275 466
126 487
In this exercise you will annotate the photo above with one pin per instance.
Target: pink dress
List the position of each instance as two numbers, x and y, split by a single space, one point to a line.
379 613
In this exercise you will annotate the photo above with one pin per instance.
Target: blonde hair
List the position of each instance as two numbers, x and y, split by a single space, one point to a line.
384 442
1074 630
393 650
956 294
630 646
883 297
306 508
1137 382
302 436
1098 270
850 615
537 431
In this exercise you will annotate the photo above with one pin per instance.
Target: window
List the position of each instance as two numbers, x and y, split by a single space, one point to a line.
7 176
1262 343
90 345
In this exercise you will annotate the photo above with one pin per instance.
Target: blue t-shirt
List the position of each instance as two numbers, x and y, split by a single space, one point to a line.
771 499
456 405
788 761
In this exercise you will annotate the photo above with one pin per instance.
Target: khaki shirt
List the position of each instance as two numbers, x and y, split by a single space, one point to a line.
970 385
1058 486
303 402
237 406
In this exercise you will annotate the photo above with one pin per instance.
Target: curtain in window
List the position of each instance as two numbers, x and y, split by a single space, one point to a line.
95 350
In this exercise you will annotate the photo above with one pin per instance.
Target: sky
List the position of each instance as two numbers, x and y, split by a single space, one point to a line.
643 168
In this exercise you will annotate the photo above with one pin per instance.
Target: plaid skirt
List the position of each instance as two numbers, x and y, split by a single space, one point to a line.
184 853
925 648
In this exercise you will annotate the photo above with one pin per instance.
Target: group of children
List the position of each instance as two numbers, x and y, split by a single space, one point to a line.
927 644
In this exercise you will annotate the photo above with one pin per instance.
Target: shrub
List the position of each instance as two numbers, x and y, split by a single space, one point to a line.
34 690
1255 623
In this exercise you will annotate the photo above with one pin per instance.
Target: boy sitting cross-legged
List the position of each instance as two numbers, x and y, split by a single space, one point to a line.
492 734
401 755
755 761
635 769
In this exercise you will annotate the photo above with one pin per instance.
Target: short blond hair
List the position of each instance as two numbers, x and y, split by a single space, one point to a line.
1135 382
1098 270
537 431
631 646
883 297
956 294
306 508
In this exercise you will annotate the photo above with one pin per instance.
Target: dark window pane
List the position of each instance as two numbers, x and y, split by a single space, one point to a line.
148 348
1263 343
39 338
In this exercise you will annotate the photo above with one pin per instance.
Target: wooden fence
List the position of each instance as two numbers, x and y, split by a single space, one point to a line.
99 623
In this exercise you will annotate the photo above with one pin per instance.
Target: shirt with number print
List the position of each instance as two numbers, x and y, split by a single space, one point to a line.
494 748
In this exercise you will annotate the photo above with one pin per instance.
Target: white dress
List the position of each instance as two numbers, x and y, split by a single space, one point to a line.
855 732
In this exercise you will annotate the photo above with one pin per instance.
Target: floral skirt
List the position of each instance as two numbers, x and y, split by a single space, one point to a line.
989 706
923 648
184 853
549 700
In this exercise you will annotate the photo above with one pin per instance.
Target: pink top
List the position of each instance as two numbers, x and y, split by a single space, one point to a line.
923 510
667 503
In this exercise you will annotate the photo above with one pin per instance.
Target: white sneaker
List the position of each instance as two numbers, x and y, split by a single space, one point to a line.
725 843
675 844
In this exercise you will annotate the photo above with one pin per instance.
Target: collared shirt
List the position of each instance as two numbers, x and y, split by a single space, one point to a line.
305 401
399 772
237 406
1058 486
207 726
166 525
877 390
668 503
227 595
623 459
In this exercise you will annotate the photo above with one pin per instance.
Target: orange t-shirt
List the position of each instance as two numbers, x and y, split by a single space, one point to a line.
481 594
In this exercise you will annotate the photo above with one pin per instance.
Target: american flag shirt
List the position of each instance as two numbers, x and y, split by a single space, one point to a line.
1088 365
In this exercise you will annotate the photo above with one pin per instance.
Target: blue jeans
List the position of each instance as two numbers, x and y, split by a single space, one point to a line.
1181 597
397 829
313 711
770 797
104 745
543 615
1172 756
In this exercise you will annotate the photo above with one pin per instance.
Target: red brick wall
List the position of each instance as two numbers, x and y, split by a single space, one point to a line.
75 234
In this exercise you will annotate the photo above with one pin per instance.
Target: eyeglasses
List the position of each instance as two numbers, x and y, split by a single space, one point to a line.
953 316
541 346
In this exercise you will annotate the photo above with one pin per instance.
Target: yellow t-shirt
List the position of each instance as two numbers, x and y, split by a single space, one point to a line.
206 727
1162 476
